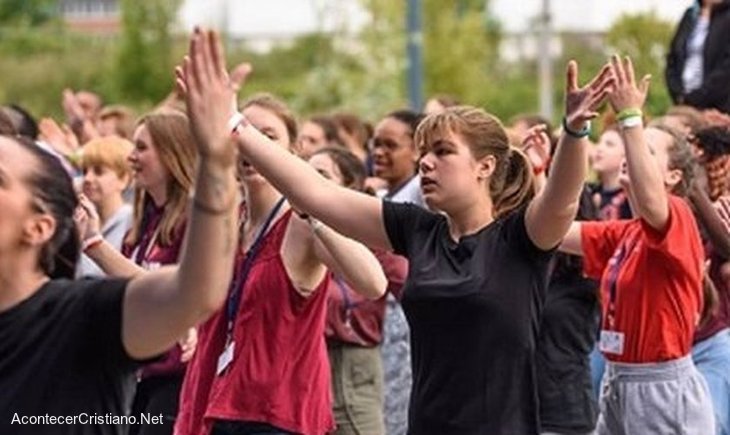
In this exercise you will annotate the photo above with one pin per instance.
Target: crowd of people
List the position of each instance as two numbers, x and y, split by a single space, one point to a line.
232 270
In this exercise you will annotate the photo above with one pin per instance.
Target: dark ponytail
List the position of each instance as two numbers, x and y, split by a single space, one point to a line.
52 188
516 187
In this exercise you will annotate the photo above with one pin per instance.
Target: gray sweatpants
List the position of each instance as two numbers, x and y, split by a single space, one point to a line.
660 398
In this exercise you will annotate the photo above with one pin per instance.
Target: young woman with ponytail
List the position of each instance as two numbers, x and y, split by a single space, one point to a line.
477 270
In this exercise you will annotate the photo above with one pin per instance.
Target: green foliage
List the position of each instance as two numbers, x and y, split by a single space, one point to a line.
363 73
645 37
27 12
144 61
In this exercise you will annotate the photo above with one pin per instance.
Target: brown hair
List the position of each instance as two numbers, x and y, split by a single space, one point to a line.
353 126
680 157
110 152
124 117
174 142
278 108
689 115
511 184
350 167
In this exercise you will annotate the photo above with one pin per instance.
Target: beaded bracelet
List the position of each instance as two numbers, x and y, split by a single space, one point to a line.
584 132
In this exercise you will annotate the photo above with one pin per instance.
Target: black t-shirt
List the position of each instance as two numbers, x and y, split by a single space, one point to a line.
474 309
568 332
61 355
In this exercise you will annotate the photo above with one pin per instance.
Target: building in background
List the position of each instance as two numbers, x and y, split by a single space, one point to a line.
96 17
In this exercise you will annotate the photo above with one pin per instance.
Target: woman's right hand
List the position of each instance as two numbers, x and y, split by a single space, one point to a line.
87 219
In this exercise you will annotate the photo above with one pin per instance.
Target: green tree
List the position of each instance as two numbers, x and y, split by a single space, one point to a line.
145 59
645 37
460 50
30 12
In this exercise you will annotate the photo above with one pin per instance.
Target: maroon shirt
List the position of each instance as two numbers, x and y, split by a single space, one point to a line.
150 254
280 373
721 318
355 320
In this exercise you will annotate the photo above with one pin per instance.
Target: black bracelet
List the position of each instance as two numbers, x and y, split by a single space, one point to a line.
584 132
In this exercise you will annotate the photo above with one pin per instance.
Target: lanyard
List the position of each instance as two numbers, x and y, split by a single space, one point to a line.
349 304
241 272
151 218
613 271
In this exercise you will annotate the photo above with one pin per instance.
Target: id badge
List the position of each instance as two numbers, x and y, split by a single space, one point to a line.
611 342
225 359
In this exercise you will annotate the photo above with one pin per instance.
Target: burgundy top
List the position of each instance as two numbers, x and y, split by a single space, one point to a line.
355 320
721 318
280 372
149 254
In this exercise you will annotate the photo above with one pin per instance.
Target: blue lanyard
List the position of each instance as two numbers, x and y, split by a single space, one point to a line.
239 280
349 304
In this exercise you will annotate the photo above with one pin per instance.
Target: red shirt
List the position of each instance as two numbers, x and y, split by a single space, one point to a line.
150 254
280 372
355 320
658 286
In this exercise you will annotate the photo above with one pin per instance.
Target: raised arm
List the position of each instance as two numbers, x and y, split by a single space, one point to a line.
550 214
351 213
160 306
647 183
109 259
349 259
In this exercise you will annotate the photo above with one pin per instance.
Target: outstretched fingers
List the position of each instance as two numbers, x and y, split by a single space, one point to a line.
571 77
629 70
618 69
604 75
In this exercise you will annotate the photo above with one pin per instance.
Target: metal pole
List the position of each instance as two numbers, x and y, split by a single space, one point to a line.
415 55
545 62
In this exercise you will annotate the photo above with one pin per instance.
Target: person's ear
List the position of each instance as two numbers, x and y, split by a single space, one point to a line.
486 167
672 178
39 229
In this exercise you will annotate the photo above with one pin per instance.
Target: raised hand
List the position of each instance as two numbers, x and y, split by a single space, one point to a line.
208 92
627 94
62 139
536 145
581 103
87 219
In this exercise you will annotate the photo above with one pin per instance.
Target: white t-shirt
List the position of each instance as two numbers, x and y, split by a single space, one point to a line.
693 65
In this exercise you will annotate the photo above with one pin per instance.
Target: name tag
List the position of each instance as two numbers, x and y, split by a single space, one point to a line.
611 342
225 359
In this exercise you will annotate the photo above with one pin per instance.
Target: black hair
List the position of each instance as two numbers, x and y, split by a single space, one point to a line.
714 141
408 117
52 187
24 122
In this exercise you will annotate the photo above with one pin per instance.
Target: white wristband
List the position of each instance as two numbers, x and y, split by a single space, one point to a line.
235 120
633 121
91 241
